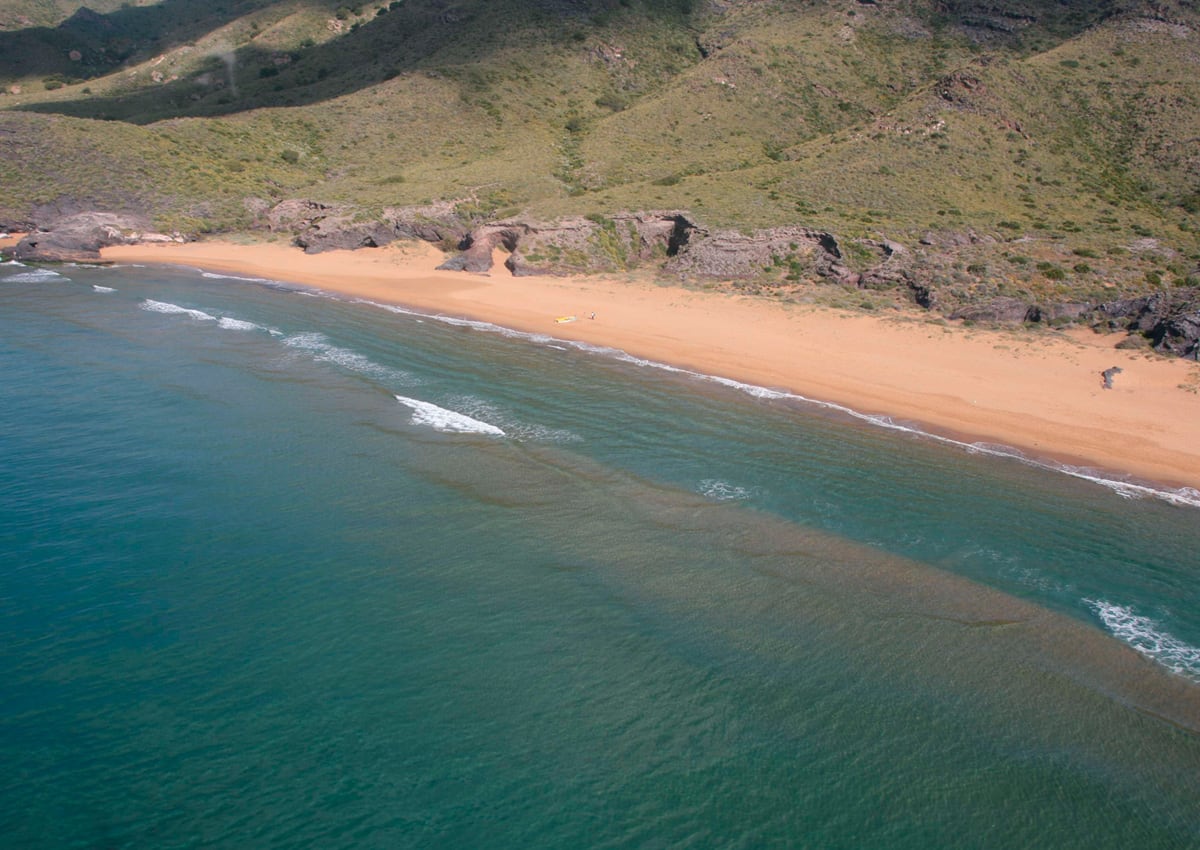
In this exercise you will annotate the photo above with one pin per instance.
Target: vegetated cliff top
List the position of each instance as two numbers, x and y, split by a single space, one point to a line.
1069 122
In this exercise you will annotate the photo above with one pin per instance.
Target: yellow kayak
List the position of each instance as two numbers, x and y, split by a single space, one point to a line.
561 319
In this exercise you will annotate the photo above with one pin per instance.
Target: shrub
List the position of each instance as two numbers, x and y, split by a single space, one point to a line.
1082 268
1051 271
612 101
291 157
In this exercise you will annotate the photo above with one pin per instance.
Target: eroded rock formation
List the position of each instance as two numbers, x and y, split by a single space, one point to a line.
78 238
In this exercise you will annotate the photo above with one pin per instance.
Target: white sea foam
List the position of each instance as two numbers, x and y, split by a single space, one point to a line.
217 276
458 322
425 413
166 307
483 410
35 276
1184 496
723 491
318 346
534 433
1148 638
232 324
98 288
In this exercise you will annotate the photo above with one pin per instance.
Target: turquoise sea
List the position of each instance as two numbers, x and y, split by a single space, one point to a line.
279 570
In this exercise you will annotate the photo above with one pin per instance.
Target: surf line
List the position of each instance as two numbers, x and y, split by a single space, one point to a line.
1183 497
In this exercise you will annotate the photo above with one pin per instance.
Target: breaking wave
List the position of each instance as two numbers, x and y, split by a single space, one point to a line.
1148 638
229 323
318 346
34 276
98 288
722 491
153 306
232 324
441 419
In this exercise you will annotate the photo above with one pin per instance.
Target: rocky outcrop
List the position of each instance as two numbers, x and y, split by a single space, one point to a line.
1170 320
478 246
737 255
575 244
326 227
78 238
893 272
999 310
1064 311
439 223
318 226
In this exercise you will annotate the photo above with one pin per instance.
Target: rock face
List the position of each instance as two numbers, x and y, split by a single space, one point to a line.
1170 320
78 238
733 254
999 310
576 244
321 227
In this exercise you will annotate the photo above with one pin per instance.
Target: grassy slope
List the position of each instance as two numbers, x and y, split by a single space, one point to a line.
1071 126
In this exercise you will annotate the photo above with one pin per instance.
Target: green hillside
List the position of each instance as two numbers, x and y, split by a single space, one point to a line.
1043 147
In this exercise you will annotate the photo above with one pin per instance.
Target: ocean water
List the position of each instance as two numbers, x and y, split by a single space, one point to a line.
282 570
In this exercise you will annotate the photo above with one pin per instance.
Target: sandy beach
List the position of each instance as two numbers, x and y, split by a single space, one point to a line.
1036 390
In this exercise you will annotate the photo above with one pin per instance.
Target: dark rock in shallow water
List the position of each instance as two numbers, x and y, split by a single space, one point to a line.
78 238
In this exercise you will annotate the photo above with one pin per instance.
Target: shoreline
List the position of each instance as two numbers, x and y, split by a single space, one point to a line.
1038 393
